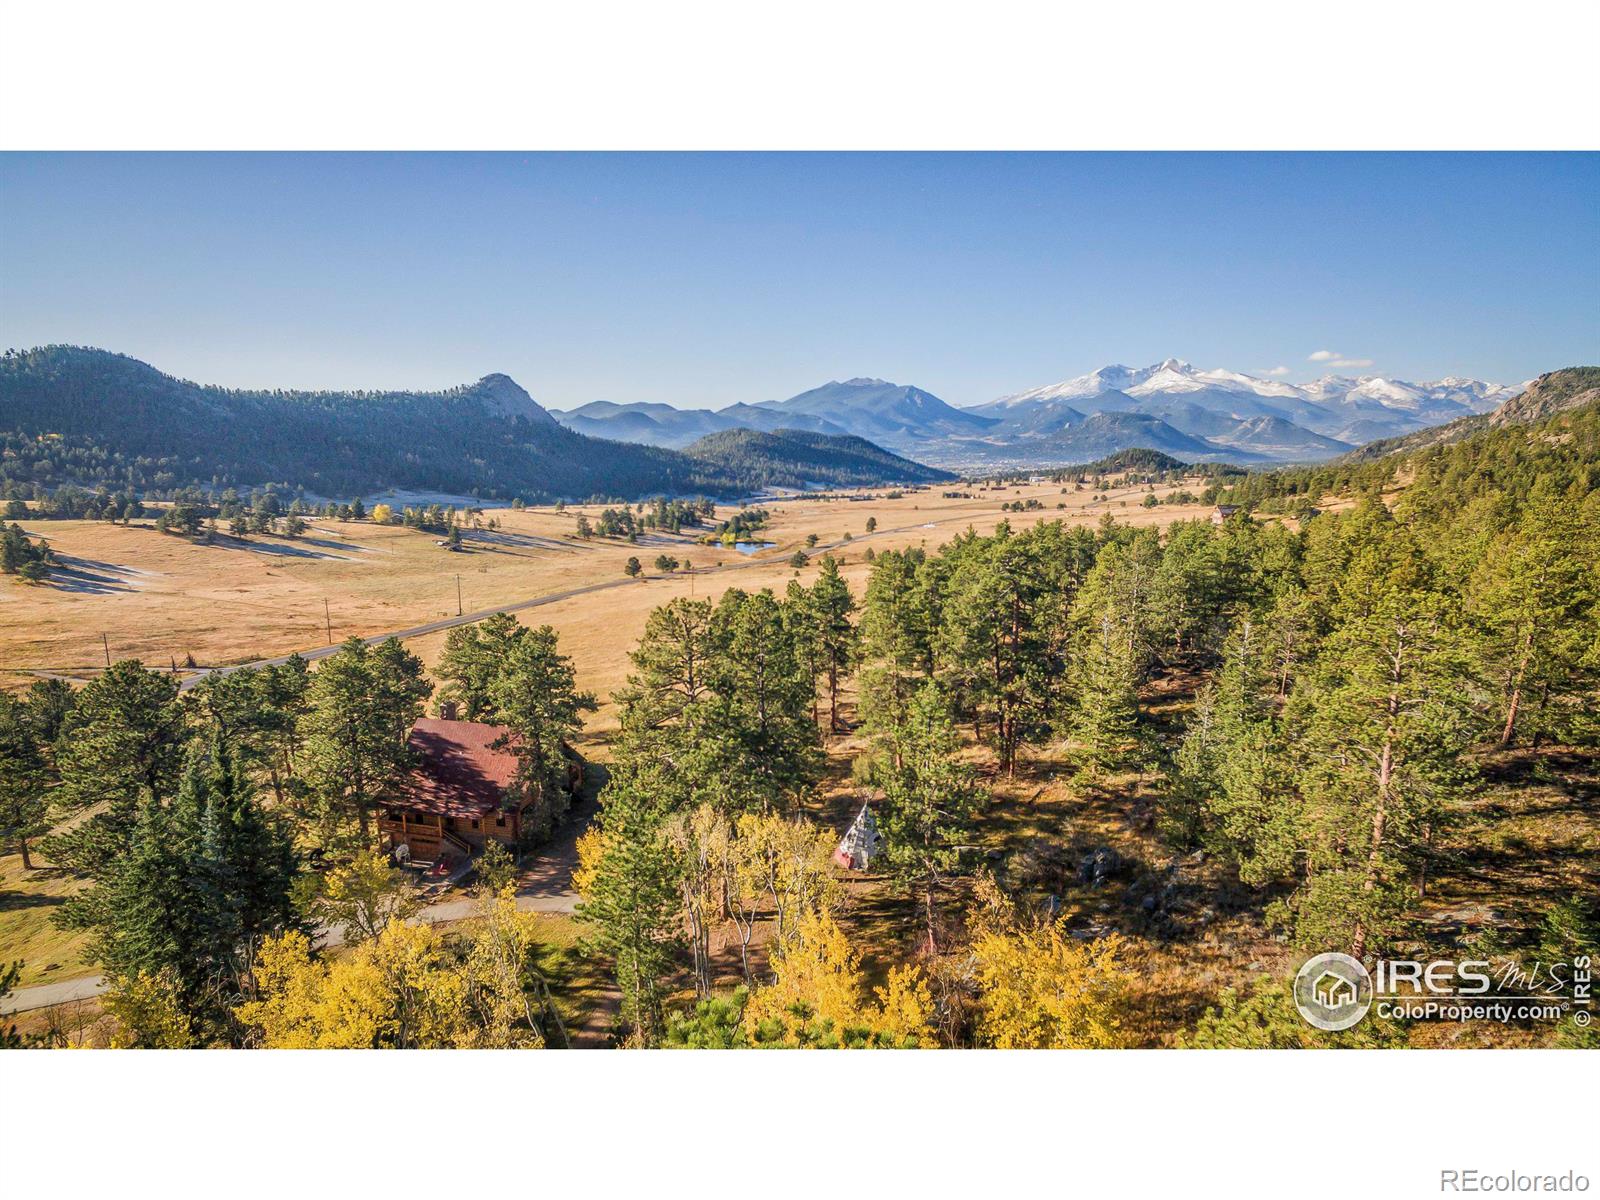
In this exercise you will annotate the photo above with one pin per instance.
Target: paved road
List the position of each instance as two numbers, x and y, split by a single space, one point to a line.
43 995
458 908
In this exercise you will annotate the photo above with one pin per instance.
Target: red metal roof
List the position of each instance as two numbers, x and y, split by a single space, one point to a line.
459 774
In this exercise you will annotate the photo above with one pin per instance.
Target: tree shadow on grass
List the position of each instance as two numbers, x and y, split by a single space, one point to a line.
87 577
17 901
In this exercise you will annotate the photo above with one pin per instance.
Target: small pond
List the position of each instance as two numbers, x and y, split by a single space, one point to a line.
753 547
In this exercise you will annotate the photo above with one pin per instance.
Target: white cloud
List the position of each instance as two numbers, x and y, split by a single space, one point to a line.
1336 358
1278 371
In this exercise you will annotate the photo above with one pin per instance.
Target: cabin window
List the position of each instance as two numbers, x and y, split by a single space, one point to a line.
500 822
474 822
449 822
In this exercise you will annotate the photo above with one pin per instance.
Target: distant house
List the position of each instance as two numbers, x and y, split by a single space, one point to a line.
1224 511
462 793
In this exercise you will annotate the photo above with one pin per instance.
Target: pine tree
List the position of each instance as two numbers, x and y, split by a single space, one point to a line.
632 905
24 776
535 697
837 643
1105 685
361 705
897 634
930 803
994 642
1381 723
247 863
1186 594
201 880
1535 595
122 743
765 742
1233 768
256 712
472 660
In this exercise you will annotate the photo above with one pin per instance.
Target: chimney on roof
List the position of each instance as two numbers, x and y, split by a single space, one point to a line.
447 710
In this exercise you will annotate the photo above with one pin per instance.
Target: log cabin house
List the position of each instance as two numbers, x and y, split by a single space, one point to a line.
462 793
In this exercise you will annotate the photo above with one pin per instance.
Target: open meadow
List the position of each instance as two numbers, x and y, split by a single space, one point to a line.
132 592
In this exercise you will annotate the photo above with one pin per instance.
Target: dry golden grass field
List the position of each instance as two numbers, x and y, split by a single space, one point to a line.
136 593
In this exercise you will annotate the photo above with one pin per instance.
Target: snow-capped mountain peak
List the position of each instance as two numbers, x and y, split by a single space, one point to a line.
1222 404
1175 376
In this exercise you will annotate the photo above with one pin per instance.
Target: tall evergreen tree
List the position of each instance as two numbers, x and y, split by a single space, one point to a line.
761 721
203 878
1535 594
257 712
24 777
1381 723
535 696
832 606
993 643
897 634
1232 769
122 744
931 801
1105 684
472 660
361 705
248 866
631 907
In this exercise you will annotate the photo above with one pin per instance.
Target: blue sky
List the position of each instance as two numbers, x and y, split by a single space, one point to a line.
701 280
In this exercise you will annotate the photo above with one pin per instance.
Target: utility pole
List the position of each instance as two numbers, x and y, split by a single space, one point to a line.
458 595
328 616
104 642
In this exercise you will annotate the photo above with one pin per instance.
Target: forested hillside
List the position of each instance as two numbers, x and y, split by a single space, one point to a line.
794 458
83 416
1500 462
1546 396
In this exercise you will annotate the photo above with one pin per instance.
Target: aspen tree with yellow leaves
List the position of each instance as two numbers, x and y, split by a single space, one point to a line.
1040 988
818 997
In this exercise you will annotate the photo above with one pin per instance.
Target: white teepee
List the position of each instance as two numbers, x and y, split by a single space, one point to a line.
861 844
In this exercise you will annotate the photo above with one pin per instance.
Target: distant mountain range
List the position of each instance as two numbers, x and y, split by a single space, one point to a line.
88 417
1172 406
887 413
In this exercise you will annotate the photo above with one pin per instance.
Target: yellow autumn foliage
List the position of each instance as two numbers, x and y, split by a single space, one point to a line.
147 1014
819 998
1040 988
400 989
591 849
